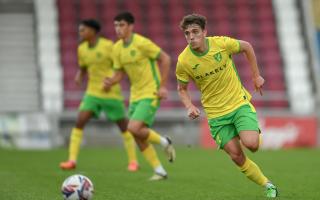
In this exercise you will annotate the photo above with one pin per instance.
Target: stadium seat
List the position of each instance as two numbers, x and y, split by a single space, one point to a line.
160 21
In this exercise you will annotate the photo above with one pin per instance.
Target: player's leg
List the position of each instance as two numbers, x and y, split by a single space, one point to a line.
153 137
115 111
246 123
129 144
144 111
246 166
89 108
228 139
250 139
76 139
138 129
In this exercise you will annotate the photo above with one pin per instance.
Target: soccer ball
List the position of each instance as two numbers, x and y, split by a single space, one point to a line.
77 187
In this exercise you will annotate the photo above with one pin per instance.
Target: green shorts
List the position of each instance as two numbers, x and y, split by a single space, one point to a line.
226 127
144 110
114 109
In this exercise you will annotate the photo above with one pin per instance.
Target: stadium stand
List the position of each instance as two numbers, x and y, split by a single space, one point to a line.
295 59
49 56
19 79
159 20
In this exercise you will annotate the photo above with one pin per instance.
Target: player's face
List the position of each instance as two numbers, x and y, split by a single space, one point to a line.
85 32
195 36
123 29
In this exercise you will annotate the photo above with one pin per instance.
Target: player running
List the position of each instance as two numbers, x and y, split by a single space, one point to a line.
207 61
137 56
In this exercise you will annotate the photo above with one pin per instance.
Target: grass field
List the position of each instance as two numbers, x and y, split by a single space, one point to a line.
196 175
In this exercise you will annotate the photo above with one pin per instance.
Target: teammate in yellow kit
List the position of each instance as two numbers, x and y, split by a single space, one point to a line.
138 57
207 61
95 59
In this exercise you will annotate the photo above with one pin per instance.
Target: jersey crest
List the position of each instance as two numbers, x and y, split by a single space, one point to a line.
217 57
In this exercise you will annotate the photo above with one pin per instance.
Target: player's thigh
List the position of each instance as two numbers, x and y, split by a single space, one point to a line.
122 124
246 123
233 147
114 109
134 126
223 134
234 150
144 110
83 118
249 136
91 104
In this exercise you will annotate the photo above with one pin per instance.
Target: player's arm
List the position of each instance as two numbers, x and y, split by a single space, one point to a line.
108 82
164 62
193 111
78 79
258 81
82 70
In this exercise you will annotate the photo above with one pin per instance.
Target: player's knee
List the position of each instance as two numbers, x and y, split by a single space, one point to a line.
252 146
82 120
80 124
134 129
238 158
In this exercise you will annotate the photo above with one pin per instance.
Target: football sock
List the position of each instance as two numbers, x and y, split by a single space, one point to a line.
129 145
75 142
156 138
160 170
151 156
253 172
269 184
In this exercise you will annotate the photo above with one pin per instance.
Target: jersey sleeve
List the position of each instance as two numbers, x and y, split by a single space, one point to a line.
232 45
150 49
81 61
181 73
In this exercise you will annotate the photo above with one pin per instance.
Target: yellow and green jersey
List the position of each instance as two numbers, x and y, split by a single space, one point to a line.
98 62
215 76
138 60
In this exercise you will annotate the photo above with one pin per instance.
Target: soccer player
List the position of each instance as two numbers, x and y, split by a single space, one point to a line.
138 57
95 59
207 61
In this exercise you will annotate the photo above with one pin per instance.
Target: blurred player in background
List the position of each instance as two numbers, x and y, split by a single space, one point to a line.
137 57
95 59
232 118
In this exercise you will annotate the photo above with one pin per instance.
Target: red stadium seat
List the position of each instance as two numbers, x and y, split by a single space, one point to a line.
248 20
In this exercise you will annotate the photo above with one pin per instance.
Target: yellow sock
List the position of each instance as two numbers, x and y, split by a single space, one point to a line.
130 146
75 142
154 137
253 172
151 156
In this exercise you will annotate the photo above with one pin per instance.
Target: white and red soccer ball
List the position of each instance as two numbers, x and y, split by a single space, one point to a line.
77 187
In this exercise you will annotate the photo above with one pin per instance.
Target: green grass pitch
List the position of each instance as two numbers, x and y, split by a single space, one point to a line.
197 174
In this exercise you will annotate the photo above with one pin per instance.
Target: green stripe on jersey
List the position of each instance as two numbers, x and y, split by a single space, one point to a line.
154 72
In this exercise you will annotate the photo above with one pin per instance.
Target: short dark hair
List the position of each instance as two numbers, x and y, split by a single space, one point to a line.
126 16
92 23
193 19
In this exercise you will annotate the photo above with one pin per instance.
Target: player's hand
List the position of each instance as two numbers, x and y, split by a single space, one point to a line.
193 112
258 83
162 93
107 83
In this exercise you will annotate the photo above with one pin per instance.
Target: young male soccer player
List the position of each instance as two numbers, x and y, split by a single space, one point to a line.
232 118
95 59
137 57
